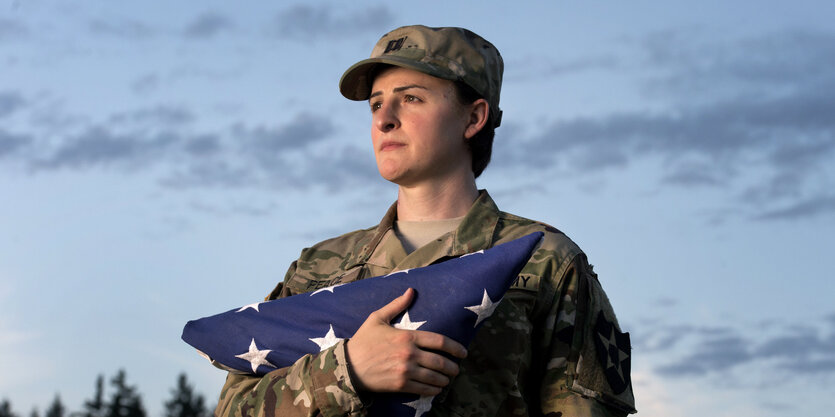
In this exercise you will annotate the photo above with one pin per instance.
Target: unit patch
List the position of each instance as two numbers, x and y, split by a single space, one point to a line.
613 351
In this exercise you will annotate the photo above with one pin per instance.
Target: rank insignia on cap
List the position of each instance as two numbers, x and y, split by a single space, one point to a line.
613 351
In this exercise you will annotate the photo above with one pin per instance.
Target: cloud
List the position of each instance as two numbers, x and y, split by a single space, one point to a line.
159 115
99 146
120 28
11 30
10 142
722 129
661 339
203 145
146 83
717 351
720 133
666 302
210 173
799 342
161 139
806 208
731 114
303 131
693 174
10 102
208 25
782 62
603 62
296 155
538 68
764 134
304 21
341 167
253 156
249 210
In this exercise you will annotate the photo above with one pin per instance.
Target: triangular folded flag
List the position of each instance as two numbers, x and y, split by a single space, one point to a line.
453 298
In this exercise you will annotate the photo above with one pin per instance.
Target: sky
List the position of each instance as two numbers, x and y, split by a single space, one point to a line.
164 161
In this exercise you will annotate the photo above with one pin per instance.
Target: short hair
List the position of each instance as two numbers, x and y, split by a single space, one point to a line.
480 145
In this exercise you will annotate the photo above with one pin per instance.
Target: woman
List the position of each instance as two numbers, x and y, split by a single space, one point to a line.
553 346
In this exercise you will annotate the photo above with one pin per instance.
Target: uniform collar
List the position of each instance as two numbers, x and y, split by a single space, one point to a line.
474 233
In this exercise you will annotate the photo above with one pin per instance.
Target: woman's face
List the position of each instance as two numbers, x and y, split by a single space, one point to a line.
418 127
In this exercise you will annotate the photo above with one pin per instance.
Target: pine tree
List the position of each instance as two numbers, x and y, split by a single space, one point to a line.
95 407
34 412
56 409
6 409
184 402
125 401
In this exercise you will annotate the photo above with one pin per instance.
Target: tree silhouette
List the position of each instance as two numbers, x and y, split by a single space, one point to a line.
184 402
6 409
125 401
95 407
56 409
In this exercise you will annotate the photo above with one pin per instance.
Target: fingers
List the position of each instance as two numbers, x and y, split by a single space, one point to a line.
386 359
425 374
434 369
415 386
427 340
429 373
387 312
439 342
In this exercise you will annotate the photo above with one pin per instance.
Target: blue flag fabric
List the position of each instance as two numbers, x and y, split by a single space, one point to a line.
452 298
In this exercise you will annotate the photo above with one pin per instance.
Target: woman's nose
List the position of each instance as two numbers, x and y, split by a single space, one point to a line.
385 118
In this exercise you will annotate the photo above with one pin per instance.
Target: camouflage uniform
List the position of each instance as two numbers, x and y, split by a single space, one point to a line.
540 354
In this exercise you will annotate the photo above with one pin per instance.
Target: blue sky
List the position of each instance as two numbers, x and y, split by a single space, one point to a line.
162 161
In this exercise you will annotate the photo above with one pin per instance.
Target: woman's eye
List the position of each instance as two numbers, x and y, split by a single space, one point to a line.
410 98
375 106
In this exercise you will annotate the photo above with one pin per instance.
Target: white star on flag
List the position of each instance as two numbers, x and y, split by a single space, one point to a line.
329 340
256 357
421 405
406 323
253 306
330 289
485 309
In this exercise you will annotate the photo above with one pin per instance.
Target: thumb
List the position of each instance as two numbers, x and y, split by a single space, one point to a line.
387 312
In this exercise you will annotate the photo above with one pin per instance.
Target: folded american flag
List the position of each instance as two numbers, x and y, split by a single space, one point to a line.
452 298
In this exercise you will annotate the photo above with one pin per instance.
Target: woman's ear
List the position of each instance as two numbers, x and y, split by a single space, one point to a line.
478 112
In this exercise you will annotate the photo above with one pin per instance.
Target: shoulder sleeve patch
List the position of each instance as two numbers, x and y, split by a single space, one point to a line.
605 355
614 353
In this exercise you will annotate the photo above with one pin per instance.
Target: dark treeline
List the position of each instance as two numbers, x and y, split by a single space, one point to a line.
122 400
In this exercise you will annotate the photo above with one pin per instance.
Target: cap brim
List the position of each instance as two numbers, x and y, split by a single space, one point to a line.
355 83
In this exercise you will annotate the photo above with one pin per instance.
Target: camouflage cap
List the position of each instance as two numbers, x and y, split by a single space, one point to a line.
450 53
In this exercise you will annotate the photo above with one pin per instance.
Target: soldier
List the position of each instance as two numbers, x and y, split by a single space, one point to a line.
553 347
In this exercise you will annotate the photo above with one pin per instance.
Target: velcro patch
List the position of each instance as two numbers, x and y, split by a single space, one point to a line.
614 353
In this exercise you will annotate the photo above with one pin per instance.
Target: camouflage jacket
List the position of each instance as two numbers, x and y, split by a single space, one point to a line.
552 348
